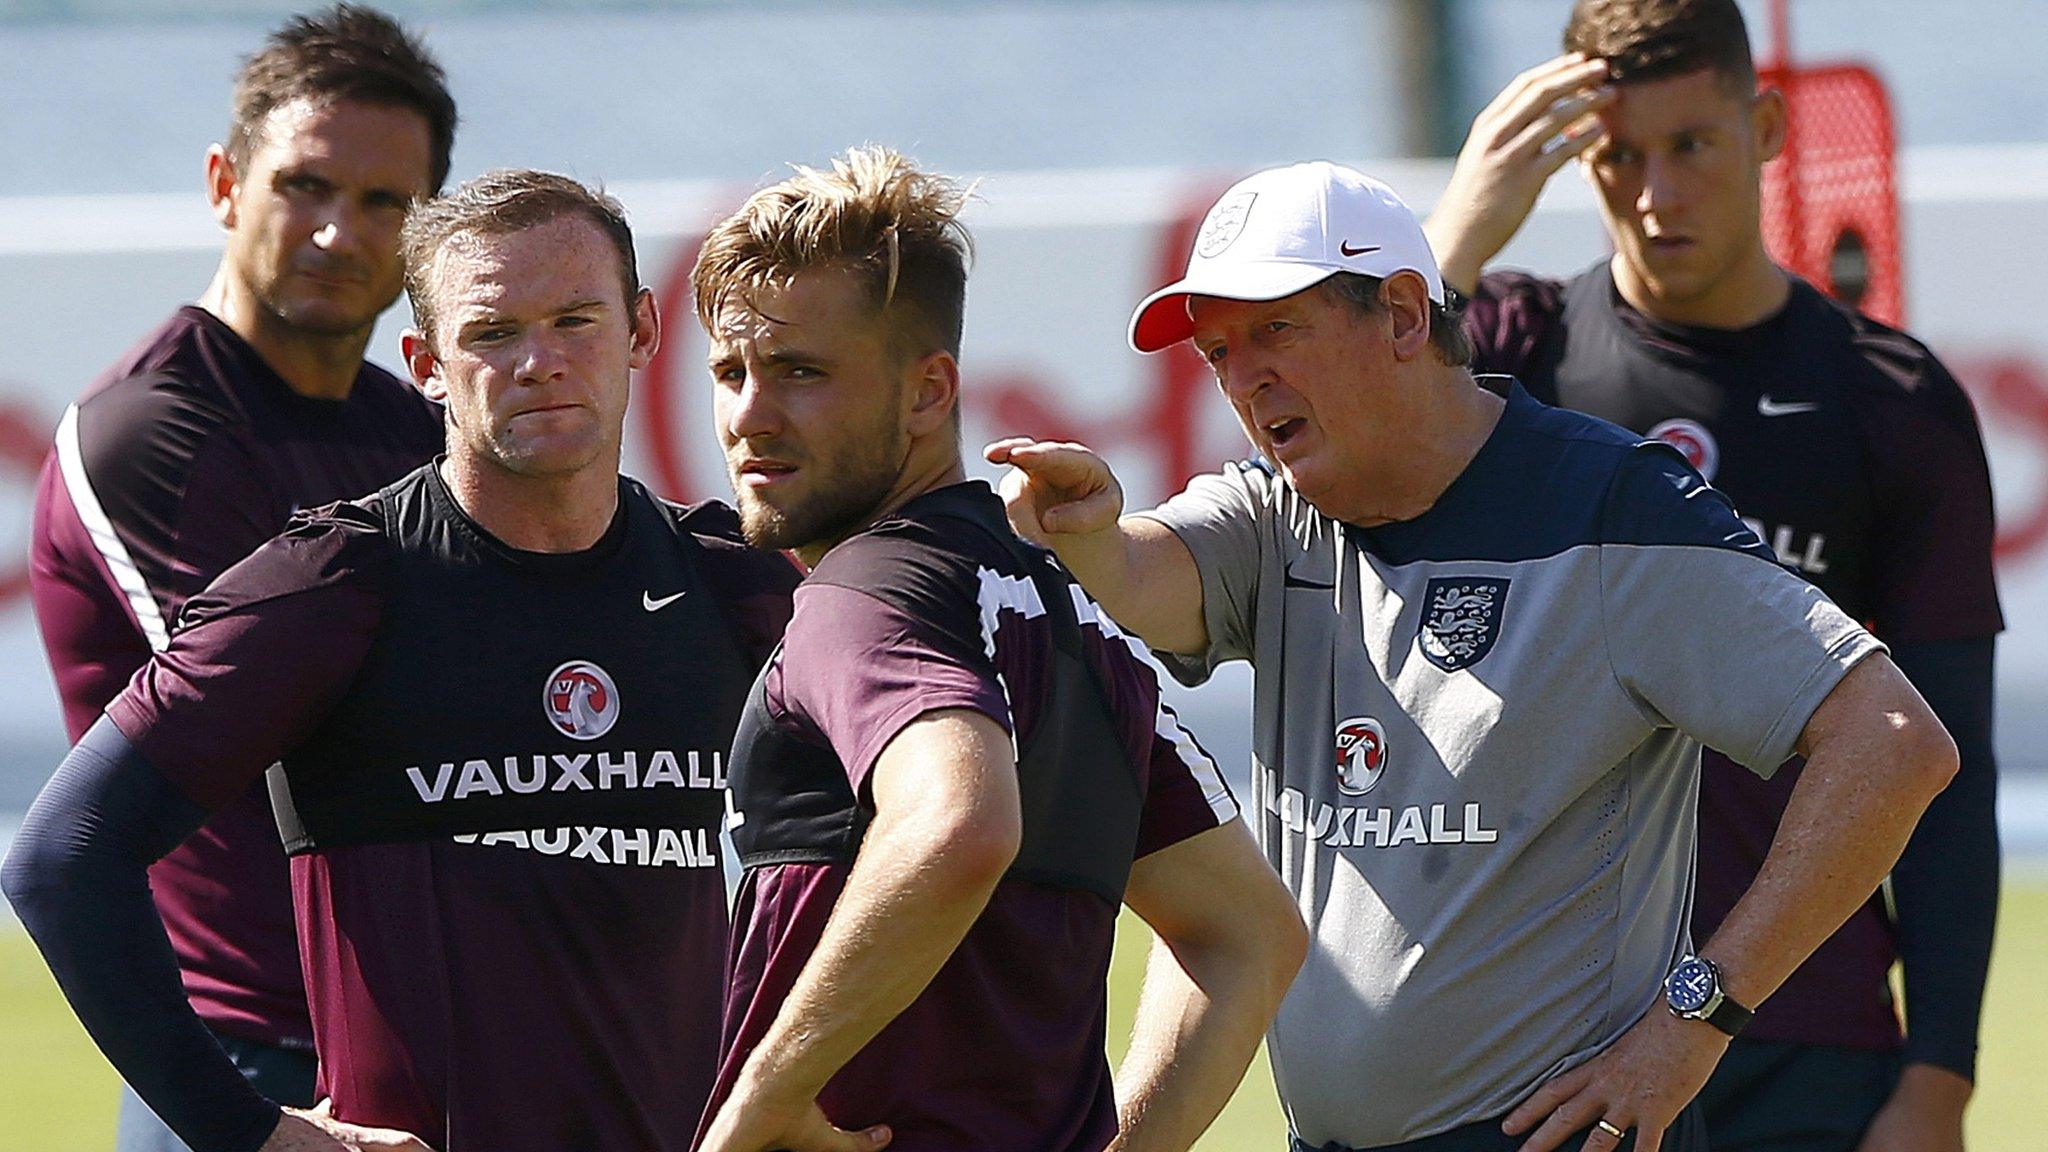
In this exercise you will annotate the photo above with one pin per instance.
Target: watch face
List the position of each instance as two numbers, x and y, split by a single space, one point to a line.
1690 985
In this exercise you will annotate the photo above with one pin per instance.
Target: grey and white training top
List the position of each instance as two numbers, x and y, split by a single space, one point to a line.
1476 751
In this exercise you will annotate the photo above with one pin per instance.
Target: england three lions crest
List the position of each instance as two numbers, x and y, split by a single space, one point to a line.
1221 227
1461 619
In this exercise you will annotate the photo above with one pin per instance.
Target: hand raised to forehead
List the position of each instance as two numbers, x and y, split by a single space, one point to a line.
1546 116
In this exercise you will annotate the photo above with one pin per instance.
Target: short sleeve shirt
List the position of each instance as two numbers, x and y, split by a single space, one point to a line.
1476 739
532 980
1855 455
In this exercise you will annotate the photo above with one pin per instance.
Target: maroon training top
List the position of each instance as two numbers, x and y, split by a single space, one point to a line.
181 459
505 775
927 611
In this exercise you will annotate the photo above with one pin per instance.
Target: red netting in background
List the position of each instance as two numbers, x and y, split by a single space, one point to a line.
1831 208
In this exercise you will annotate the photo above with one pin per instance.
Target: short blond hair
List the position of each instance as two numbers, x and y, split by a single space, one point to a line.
875 213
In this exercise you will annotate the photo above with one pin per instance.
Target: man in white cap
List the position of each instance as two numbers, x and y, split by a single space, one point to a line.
1489 637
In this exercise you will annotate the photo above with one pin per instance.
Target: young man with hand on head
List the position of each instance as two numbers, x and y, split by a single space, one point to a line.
1849 448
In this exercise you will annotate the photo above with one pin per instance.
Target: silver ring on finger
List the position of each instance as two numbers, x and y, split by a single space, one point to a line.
1610 1129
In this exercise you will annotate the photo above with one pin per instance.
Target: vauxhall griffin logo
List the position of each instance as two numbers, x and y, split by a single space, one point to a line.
1361 755
1694 442
581 701
1461 619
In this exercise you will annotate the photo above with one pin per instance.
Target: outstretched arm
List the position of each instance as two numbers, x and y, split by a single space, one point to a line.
1064 497
1546 116
1229 942
947 826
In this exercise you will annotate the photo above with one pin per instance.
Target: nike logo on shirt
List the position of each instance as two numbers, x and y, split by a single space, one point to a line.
1765 406
1289 580
648 601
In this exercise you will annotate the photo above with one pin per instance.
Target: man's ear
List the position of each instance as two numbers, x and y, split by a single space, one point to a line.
1769 121
221 184
1406 298
934 393
646 329
418 351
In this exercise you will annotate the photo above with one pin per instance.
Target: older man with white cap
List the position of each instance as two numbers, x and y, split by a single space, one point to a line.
1489 638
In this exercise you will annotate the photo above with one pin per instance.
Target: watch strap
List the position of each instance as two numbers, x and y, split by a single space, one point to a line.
1731 1018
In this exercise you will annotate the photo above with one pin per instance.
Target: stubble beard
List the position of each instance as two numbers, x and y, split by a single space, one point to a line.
263 274
842 504
316 319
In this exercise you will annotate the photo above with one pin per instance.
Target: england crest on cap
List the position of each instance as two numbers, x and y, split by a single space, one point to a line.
1282 231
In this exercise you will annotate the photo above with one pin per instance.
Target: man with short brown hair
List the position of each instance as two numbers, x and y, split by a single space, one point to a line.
1847 446
499 692
200 442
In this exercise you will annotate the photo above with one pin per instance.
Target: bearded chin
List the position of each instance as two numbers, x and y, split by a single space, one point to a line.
860 480
827 518
763 526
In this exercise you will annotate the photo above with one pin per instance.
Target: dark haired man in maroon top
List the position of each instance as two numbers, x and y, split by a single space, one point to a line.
499 692
956 768
199 443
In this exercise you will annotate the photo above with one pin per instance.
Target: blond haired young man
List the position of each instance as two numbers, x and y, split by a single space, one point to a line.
956 767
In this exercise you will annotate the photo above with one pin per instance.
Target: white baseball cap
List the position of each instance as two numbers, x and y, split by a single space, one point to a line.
1279 231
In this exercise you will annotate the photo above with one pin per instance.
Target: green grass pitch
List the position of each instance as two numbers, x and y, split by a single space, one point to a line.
57 1094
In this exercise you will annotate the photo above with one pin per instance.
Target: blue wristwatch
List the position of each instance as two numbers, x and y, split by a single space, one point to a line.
1693 992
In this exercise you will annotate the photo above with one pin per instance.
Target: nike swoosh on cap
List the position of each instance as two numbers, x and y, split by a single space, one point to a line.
648 601
1345 247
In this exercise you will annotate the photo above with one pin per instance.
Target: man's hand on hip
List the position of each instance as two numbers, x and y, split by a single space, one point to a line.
316 1130
1642 1082
746 1125
1546 116
1924 1114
